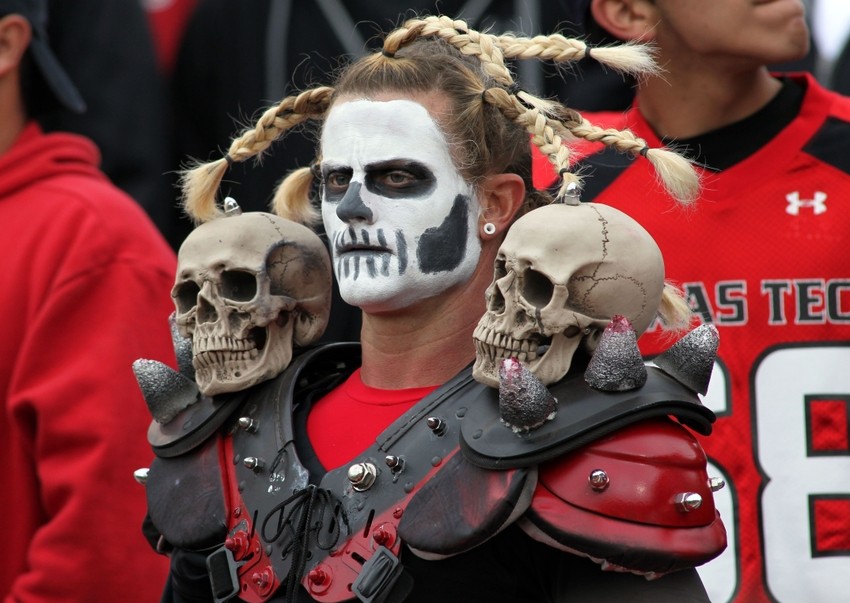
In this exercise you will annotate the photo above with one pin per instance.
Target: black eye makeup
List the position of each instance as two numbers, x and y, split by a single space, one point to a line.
400 178
335 181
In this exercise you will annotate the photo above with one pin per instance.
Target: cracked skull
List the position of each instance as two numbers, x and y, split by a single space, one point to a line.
560 275
248 288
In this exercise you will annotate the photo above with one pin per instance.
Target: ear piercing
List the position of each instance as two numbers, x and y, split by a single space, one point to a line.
489 228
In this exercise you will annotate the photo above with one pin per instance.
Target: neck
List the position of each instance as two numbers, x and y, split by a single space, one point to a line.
427 343
13 118
684 102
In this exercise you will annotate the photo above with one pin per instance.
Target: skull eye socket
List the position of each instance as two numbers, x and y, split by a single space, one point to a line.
537 289
237 285
495 301
186 296
499 269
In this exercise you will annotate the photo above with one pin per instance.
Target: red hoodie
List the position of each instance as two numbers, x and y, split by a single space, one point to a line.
84 286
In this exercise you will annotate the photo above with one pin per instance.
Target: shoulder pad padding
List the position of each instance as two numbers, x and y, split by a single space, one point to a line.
583 415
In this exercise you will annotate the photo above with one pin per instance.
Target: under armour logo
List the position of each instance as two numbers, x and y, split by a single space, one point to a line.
818 204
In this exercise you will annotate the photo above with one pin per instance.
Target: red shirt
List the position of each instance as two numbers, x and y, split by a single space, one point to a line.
348 419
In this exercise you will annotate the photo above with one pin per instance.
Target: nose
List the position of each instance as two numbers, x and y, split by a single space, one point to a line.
206 308
351 208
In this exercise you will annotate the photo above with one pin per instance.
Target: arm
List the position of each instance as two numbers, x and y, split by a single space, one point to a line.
78 424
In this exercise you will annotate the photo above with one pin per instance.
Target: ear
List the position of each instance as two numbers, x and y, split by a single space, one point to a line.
15 36
629 20
501 197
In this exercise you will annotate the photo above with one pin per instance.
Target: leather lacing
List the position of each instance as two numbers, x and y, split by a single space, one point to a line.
307 509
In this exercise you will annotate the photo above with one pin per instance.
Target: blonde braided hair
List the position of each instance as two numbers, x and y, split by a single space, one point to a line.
201 182
551 125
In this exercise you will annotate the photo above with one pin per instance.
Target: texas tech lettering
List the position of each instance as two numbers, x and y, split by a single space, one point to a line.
791 301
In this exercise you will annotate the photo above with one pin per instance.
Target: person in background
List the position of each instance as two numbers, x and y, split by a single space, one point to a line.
108 52
760 256
84 288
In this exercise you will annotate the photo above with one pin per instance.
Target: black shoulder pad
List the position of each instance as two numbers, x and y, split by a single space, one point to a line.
310 368
583 415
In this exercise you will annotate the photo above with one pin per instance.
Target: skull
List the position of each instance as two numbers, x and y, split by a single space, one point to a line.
248 288
561 274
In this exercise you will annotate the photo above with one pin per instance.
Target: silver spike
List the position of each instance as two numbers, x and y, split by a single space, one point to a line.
691 359
166 392
141 475
716 483
231 207
616 364
572 194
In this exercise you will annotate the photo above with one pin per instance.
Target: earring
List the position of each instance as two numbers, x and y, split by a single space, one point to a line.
489 228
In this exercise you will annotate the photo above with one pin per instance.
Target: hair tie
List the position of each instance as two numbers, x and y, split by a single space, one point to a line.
514 88
387 53
563 171
644 151
587 50
230 161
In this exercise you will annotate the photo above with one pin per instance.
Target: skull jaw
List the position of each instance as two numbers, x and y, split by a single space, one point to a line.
548 368
233 370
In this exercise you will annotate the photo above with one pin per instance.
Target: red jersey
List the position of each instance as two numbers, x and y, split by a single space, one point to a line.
762 257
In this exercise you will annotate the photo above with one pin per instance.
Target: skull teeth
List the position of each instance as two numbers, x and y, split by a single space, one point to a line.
498 346
223 357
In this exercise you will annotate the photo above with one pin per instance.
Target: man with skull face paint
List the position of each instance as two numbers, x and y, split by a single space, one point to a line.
404 211
346 479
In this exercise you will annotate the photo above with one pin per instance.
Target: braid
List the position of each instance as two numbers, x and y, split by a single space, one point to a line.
492 110
629 58
458 34
293 198
538 116
201 182
675 172
546 133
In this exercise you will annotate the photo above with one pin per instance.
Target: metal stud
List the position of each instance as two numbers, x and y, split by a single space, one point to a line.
688 501
253 463
716 483
319 579
437 425
248 424
141 475
598 479
362 476
318 576
231 207
395 463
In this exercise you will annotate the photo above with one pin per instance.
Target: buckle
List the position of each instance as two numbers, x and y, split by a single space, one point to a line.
377 577
221 567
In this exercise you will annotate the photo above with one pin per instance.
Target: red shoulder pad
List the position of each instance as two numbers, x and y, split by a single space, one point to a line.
637 500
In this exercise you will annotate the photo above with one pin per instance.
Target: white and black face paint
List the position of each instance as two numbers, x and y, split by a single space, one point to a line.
401 220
